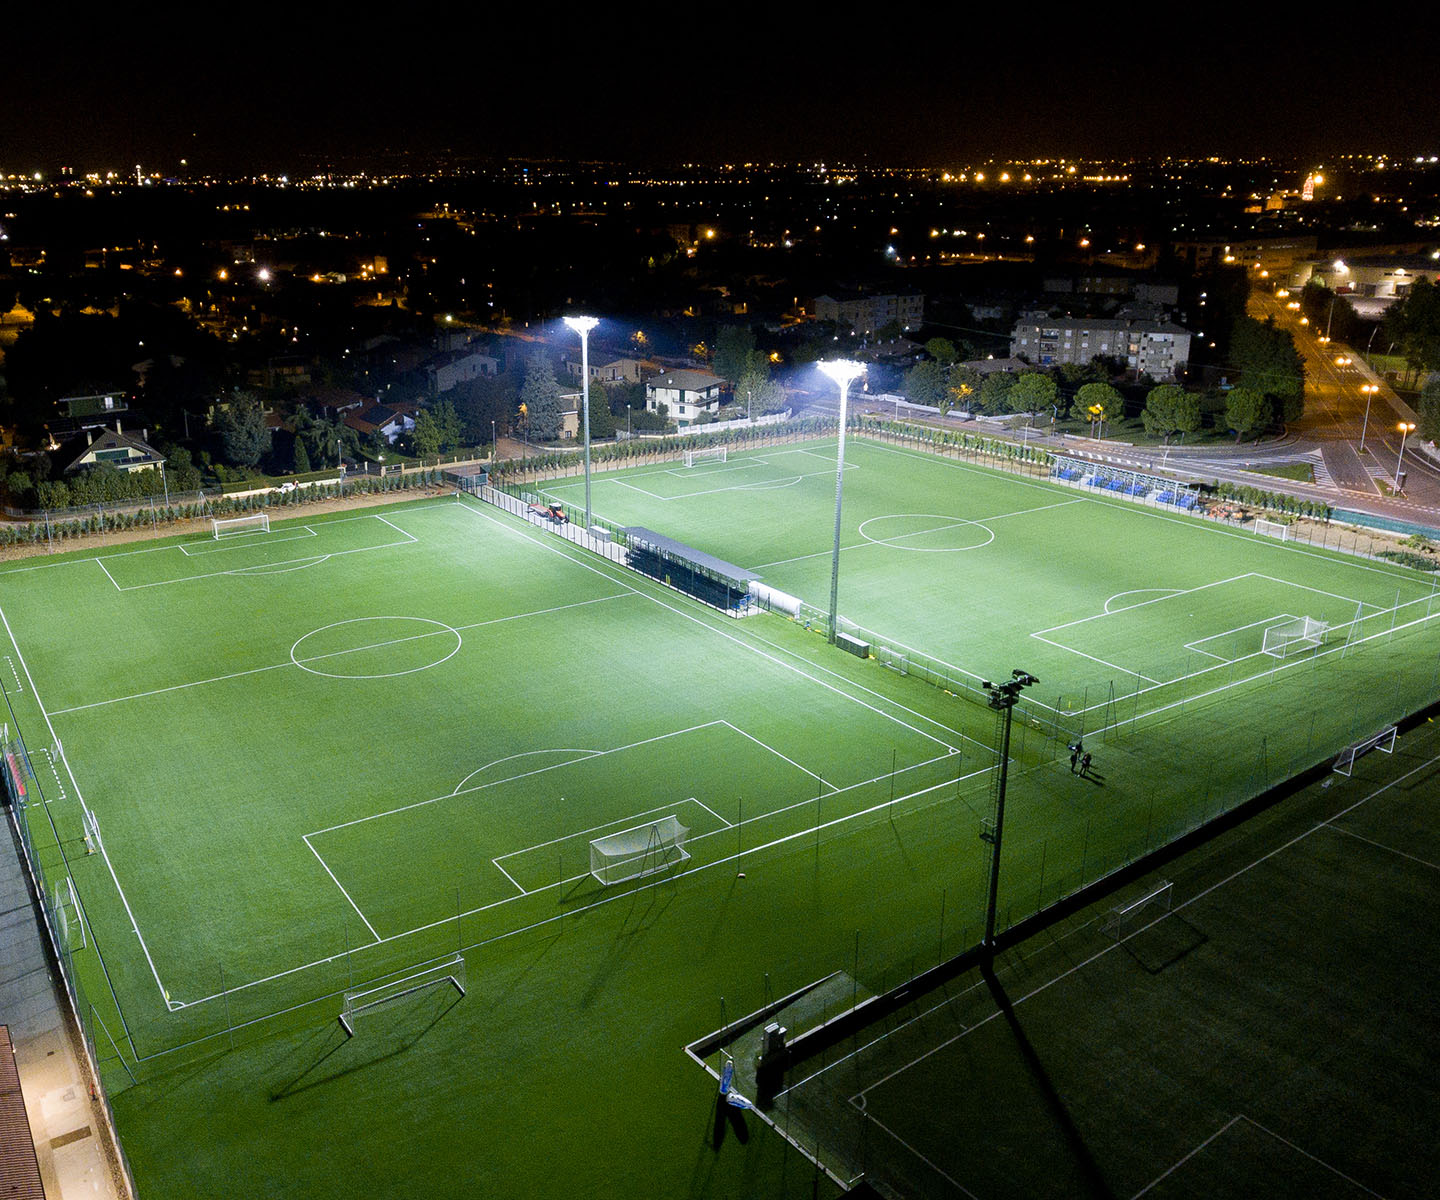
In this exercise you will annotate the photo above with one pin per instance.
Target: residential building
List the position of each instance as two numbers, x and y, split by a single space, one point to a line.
1158 349
867 313
619 370
686 395
110 447
390 420
459 366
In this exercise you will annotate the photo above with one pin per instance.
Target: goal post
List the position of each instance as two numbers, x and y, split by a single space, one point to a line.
1294 637
229 526
1274 529
642 850
1126 919
706 454
365 1000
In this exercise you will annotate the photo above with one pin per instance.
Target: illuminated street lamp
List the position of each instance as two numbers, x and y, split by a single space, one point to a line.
843 371
1406 428
583 326
1097 419
1369 390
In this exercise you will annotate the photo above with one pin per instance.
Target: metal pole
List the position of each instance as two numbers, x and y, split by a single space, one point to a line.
839 491
585 393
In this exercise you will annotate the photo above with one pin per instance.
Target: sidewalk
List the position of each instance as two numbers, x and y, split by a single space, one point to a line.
70 1140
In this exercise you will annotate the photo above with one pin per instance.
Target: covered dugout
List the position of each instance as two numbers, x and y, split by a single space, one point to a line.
709 579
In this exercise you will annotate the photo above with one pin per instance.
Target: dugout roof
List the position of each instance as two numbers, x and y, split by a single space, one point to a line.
669 547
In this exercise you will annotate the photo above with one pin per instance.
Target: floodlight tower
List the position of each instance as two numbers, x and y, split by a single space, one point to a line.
1003 697
843 371
583 326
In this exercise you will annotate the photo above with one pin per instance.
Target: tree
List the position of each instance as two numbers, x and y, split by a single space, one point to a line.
540 398
243 436
962 387
437 429
758 394
1247 411
302 457
925 384
1269 363
1170 409
602 416
1413 324
1428 409
1033 392
942 350
735 353
994 391
1097 403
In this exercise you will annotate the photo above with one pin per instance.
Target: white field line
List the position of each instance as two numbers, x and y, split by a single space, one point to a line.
341 886
1424 862
954 523
713 813
1268 622
1174 595
580 750
495 862
1083 963
777 753
269 539
1334 557
101 564
19 687
691 617
1313 1158
261 568
313 658
1134 592
170 544
1113 666
623 895
105 854
953 1182
49 754
587 755
1181 1162
1349 600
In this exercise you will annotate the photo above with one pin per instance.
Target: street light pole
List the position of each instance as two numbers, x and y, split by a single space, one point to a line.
583 326
1369 389
1406 428
842 371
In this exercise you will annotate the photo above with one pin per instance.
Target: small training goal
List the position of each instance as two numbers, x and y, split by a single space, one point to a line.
1125 919
639 851
708 454
367 1000
1272 529
1294 637
229 526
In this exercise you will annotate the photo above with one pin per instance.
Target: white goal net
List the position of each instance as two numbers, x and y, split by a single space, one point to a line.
229 526
709 454
1294 637
1272 529
643 850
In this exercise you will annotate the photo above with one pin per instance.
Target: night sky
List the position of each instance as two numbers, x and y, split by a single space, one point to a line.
278 91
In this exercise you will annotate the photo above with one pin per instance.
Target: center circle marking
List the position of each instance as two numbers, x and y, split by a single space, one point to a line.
434 629
946 523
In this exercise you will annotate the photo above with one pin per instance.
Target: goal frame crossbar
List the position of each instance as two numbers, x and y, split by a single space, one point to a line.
221 527
1124 915
451 971
663 848
1294 636
705 454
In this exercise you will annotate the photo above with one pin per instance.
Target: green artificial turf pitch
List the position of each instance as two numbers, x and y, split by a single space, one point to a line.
323 756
